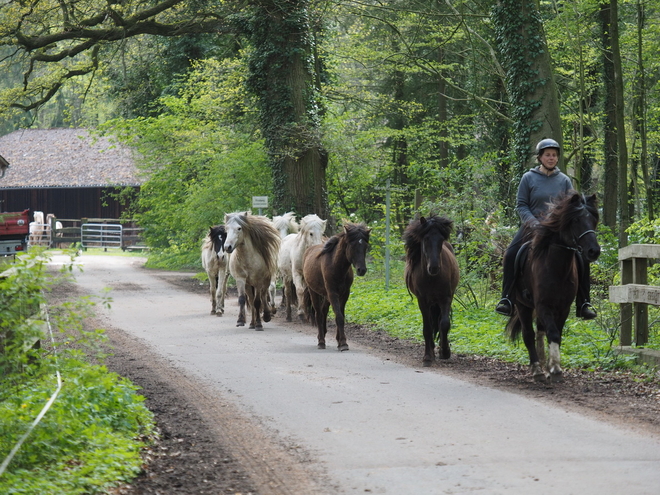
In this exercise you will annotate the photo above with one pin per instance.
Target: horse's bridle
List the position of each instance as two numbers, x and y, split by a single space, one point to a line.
577 248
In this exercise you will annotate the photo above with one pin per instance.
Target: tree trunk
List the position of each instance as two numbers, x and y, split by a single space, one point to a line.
529 77
620 126
282 74
610 198
640 114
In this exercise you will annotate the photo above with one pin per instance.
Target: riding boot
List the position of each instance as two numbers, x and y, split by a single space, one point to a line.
583 307
505 305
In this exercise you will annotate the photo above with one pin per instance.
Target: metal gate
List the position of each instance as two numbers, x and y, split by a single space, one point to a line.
105 235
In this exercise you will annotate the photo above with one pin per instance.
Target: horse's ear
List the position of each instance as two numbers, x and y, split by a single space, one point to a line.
576 198
422 220
592 200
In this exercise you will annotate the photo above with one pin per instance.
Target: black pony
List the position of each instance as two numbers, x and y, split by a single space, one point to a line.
547 278
432 276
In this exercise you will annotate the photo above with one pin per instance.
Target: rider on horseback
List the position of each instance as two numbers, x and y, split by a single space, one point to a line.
538 186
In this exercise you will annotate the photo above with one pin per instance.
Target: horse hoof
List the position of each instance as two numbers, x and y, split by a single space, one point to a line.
320 346
213 311
343 347
266 317
259 329
557 377
240 324
288 318
427 364
219 314
540 378
445 354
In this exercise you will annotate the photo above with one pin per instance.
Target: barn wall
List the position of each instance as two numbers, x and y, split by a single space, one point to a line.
74 203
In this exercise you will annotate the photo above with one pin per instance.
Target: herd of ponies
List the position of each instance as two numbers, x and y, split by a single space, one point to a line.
316 273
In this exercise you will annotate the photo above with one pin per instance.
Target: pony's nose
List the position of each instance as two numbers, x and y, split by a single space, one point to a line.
434 270
229 248
593 253
361 271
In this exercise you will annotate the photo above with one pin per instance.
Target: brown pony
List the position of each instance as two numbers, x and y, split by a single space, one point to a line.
432 276
547 280
328 273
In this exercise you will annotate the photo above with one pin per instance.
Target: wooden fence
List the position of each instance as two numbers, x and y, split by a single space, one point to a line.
634 295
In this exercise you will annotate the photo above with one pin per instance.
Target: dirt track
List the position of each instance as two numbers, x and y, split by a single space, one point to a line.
210 446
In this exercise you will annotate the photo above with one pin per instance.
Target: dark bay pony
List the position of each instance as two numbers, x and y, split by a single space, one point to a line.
328 273
432 276
547 284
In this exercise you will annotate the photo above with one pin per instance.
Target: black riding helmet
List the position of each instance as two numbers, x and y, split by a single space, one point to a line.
547 143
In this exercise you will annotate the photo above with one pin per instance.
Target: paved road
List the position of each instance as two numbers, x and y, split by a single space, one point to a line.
372 425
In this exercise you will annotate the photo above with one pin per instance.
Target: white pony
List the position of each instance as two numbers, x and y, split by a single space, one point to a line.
286 224
214 261
253 243
290 260
37 228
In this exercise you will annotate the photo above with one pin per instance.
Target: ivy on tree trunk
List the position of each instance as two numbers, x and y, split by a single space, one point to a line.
282 75
529 78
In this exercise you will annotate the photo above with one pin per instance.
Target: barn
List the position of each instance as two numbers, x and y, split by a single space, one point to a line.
67 172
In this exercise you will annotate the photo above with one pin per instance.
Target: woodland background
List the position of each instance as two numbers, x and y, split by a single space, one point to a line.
320 104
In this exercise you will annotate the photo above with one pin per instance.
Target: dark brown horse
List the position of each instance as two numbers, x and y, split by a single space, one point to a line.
328 273
547 284
432 276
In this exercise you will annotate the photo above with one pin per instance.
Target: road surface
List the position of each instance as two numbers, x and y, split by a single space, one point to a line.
370 425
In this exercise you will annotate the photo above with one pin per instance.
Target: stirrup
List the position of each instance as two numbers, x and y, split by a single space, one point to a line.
586 311
504 307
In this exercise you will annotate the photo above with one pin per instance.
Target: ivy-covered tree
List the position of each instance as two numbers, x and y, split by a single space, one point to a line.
57 41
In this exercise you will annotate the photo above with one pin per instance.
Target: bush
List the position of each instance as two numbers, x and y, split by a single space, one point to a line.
90 438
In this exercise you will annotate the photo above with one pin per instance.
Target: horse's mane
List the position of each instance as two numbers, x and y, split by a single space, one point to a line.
286 221
561 212
351 233
308 223
263 234
418 228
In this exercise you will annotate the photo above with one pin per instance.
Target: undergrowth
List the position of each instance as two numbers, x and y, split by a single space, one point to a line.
476 329
90 438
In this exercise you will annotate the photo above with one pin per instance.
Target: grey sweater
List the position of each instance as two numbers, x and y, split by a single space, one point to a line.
535 191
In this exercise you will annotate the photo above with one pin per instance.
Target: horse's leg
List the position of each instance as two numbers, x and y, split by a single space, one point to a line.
272 289
259 300
317 303
286 298
213 285
252 303
428 332
222 290
554 329
529 338
268 308
338 302
240 286
444 326
299 283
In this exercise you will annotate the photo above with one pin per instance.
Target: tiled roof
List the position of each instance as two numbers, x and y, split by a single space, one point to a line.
65 158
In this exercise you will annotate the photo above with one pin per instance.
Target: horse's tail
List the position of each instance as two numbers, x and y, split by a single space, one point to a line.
308 307
514 327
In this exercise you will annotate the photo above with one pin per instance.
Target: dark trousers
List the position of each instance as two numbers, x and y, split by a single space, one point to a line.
508 275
